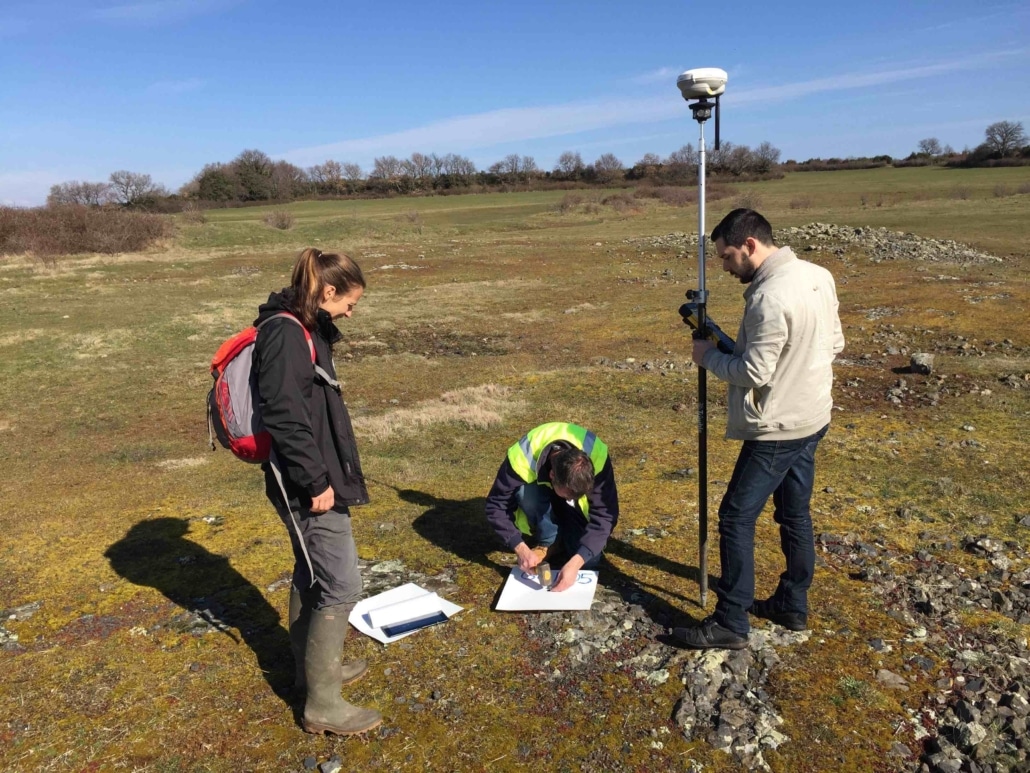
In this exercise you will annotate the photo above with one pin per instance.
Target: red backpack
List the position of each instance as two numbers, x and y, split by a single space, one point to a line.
233 405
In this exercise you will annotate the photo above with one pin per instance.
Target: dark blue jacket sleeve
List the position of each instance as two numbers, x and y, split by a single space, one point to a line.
501 505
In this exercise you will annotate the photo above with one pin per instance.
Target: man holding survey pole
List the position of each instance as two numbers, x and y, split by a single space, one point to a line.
554 499
779 403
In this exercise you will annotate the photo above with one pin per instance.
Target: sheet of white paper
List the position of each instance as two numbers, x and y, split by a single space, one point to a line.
397 605
402 611
523 593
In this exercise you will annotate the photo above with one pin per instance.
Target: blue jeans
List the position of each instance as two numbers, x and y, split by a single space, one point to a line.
535 501
785 469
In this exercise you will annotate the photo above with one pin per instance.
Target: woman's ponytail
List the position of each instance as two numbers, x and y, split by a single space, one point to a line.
315 270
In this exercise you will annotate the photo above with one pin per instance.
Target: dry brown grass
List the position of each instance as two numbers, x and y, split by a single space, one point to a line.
477 407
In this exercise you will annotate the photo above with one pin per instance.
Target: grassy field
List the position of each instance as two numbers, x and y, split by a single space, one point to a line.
115 515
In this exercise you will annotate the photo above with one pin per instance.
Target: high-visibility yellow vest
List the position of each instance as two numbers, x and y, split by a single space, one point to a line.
526 458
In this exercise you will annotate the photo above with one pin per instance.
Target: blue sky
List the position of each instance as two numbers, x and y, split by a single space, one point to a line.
165 86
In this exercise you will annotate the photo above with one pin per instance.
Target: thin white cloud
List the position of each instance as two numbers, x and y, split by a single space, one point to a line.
176 87
28 188
150 12
866 80
655 76
493 128
464 133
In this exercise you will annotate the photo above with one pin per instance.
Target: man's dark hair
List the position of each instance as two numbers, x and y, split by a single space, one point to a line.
573 470
740 224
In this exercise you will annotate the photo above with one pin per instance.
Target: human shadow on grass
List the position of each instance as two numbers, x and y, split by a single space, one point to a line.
156 553
460 527
457 526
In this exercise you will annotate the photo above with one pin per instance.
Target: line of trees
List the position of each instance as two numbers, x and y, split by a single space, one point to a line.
254 177
1005 143
129 189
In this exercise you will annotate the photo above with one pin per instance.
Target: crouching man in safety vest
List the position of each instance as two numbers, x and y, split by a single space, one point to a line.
556 492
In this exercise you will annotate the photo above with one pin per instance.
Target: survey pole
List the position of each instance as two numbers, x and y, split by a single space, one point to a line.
696 86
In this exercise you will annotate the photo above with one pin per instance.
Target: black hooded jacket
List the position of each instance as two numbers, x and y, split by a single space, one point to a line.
312 437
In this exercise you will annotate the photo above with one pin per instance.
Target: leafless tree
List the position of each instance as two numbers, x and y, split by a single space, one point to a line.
765 157
352 172
85 193
511 165
685 156
385 167
288 181
326 176
570 164
515 167
1005 137
931 146
436 165
134 189
419 167
459 167
649 159
608 167
718 159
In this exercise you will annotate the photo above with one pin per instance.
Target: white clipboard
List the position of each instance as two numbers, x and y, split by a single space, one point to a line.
400 612
522 592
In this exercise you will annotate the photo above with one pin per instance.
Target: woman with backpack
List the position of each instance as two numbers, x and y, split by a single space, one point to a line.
315 453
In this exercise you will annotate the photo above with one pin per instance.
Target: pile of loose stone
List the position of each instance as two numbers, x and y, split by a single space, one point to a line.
878 243
724 701
881 244
977 719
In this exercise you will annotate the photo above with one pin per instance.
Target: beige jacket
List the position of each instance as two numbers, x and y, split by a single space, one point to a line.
780 374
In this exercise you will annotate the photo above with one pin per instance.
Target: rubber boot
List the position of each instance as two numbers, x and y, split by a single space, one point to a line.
300 617
324 710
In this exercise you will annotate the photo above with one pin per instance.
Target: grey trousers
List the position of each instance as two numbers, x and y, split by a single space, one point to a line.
334 556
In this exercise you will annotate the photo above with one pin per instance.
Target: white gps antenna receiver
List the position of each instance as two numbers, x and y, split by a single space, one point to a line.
702 82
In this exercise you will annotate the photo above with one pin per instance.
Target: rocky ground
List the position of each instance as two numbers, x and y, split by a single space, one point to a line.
974 719
879 244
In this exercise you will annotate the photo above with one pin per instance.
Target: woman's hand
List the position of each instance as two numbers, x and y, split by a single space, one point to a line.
324 501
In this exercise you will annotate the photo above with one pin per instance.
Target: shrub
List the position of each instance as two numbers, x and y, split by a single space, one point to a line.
1024 188
279 218
961 192
569 202
192 213
1001 191
802 202
620 202
74 229
749 199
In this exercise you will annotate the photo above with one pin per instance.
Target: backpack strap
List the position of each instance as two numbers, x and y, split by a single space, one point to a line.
274 464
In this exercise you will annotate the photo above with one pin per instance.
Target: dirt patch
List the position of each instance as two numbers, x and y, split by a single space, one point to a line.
429 343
